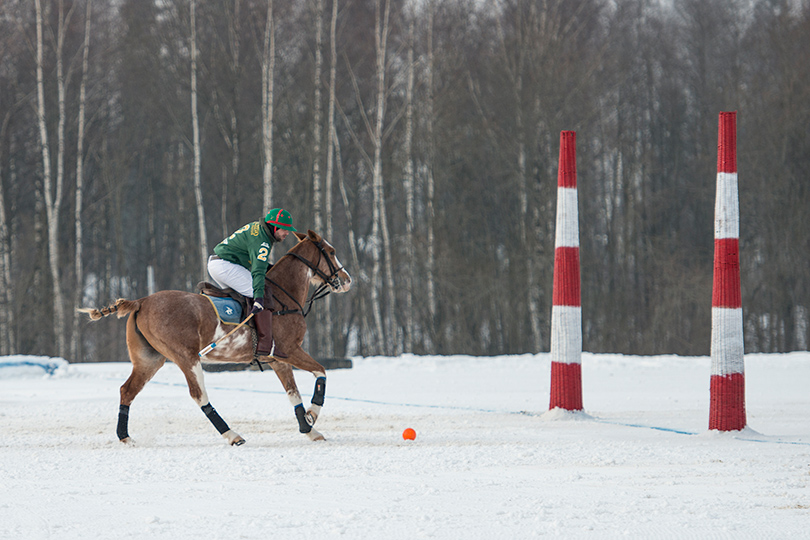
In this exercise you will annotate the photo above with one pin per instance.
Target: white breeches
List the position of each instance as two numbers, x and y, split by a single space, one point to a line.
228 274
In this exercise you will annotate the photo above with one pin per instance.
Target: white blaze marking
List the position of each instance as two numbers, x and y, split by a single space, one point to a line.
346 285
295 398
197 371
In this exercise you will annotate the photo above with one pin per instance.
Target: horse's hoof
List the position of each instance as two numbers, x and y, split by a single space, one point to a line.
315 436
312 414
127 441
233 438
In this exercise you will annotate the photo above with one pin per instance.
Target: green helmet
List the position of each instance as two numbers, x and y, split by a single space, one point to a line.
279 218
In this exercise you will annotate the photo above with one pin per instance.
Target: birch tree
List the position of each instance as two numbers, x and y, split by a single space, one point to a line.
75 346
410 240
321 335
7 312
330 154
330 120
53 193
317 193
195 127
380 240
429 181
10 105
268 67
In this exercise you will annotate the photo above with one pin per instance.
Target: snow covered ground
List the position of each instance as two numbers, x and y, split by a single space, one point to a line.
489 460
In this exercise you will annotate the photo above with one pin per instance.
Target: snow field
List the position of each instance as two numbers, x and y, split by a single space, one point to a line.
489 460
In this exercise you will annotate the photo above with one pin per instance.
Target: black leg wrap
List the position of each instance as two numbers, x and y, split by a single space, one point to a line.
215 418
320 391
123 422
300 414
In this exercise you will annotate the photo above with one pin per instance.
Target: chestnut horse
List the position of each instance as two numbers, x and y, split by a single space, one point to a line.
177 325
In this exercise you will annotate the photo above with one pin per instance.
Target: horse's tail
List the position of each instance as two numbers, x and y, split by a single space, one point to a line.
121 306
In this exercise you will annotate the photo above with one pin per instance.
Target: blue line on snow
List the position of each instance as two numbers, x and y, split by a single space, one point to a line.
493 411
657 428
356 400
49 368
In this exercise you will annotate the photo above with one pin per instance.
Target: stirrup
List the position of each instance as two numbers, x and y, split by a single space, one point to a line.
277 354
258 363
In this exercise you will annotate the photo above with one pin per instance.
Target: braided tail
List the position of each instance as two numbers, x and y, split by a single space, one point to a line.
121 307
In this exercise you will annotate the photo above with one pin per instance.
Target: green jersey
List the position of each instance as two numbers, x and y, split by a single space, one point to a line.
249 247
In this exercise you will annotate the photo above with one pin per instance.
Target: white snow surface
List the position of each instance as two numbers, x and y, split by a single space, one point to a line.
489 460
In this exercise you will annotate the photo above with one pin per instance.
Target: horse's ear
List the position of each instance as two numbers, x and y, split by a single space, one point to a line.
300 236
315 237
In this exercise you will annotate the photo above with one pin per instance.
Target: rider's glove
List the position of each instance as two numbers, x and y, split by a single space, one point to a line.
258 305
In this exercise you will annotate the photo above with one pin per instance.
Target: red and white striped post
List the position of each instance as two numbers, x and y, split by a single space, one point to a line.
566 311
727 410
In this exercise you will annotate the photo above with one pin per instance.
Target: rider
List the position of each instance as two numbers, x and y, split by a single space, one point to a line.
241 261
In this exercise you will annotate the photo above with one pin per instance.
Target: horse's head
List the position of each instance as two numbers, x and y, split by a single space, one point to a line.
325 266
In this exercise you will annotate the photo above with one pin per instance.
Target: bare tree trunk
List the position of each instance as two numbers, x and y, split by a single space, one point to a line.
526 228
346 205
268 67
40 235
8 341
320 336
430 188
410 239
330 158
7 310
52 200
330 149
530 237
364 321
75 345
195 126
380 237
375 213
233 140
56 202
317 193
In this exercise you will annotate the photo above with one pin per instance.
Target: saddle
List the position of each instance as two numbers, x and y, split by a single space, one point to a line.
209 289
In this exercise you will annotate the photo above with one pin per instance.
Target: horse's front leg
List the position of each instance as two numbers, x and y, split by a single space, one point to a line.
300 359
196 387
306 419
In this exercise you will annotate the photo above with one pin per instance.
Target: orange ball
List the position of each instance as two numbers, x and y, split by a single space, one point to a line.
409 434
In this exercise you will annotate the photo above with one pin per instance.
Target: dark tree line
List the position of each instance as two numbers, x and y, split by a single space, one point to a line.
422 137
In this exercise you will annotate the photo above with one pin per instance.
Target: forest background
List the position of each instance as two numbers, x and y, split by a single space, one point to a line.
421 138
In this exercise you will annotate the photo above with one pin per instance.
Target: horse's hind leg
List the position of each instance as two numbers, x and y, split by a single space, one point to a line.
142 373
196 387
145 363
306 419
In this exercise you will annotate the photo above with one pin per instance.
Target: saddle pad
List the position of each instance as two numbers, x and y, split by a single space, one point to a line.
228 309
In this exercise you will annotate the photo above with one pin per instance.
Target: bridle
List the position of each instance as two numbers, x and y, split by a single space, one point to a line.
333 279
331 282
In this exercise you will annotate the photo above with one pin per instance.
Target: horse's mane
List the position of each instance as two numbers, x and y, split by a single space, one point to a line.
302 239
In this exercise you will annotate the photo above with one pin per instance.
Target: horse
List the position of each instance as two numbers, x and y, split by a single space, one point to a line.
177 325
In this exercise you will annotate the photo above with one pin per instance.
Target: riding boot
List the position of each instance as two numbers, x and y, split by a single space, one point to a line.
264 330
